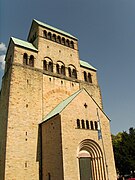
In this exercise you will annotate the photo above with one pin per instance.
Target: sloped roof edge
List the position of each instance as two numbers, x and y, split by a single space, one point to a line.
87 65
53 28
59 108
98 105
23 43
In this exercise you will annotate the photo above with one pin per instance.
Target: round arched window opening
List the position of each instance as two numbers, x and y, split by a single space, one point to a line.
25 59
31 61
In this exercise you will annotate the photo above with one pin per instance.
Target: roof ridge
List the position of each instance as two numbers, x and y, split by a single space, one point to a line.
55 29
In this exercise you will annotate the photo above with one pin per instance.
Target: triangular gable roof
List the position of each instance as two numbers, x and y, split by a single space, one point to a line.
23 43
60 107
87 65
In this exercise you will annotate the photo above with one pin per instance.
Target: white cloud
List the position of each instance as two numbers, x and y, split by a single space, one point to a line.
2 55
2 62
2 47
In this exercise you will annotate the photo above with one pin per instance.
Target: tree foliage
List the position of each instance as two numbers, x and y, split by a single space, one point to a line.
124 151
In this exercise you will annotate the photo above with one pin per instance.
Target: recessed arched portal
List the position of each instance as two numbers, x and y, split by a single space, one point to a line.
91 161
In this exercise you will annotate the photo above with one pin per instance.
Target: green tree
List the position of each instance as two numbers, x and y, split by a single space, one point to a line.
124 151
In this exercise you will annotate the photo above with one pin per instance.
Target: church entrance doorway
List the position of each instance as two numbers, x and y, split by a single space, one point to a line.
85 168
91 161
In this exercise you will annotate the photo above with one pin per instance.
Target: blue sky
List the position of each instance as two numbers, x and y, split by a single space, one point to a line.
106 33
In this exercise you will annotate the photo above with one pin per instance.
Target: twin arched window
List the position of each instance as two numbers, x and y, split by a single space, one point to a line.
48 65
72 72
28 61
60 68
87 77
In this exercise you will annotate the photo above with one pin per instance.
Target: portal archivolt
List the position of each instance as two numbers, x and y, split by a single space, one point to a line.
91 161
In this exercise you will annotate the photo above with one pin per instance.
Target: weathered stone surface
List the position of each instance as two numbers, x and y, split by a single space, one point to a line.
28 94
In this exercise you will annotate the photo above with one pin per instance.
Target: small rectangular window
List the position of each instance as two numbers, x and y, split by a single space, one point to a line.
78 123
87 124
83 125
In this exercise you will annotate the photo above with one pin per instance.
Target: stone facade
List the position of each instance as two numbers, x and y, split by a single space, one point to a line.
40 74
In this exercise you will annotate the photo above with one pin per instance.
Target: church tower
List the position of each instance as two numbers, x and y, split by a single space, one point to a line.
52 123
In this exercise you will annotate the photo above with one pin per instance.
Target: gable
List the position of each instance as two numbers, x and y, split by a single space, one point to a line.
84 106
76 101
59 108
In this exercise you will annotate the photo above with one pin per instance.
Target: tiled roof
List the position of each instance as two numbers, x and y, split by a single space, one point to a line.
23 43
87 65
59 108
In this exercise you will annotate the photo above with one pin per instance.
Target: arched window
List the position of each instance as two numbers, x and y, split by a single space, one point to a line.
67 42
69 71
96 125
87 124
58 68
78 123
59 39
63 41
83 124
50 66
25 59
49 36
44 65
54 37
31 61
63 69
85 76
72 44
74 73
89 78
91 125
45 33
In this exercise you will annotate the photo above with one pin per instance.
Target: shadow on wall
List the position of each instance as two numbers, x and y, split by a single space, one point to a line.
4 106
39 151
